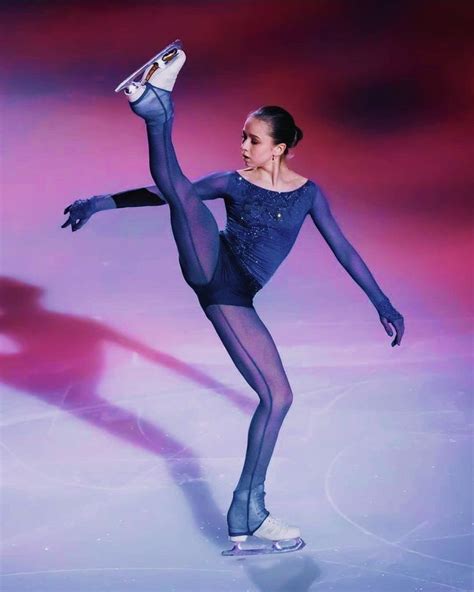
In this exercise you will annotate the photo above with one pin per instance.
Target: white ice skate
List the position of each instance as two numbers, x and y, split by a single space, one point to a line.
272 529
157 62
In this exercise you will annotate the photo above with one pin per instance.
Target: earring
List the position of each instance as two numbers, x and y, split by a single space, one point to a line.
273 157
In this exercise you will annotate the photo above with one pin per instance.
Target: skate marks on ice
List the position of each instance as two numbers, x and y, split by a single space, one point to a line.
396 557
65 373
397 543
392 451
60 361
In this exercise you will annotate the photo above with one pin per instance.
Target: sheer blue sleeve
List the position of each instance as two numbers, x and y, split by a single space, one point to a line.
210 186
348 257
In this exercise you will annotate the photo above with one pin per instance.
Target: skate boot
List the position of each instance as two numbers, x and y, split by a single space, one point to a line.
152 100
247 516
159 61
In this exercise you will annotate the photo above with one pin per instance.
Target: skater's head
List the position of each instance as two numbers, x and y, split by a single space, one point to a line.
269 132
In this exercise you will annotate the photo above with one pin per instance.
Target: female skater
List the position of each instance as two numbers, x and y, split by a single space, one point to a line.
266 205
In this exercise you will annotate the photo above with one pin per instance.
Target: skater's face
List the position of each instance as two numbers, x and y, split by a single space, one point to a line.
257 143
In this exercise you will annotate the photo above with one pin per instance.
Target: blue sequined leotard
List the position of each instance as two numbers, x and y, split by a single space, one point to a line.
262 224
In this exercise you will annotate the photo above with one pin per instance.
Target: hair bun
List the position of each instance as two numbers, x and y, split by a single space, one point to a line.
298 135
283 129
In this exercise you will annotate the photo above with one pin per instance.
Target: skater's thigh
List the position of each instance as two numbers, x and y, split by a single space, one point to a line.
197 237
252 349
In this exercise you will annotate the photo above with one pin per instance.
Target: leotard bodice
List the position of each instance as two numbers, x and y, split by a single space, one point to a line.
262 224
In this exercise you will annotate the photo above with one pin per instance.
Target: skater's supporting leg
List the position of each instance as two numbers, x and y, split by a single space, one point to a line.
254 353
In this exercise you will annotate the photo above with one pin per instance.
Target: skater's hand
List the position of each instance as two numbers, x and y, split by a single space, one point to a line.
399 326
80 211
390 316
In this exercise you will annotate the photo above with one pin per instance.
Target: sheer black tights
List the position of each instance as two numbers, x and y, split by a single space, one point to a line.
241 330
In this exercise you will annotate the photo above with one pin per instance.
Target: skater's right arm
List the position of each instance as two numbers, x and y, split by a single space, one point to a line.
207 187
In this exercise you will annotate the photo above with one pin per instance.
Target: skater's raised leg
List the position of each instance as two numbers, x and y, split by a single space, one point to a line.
194 227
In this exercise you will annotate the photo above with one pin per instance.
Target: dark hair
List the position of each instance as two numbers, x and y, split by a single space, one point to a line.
283 128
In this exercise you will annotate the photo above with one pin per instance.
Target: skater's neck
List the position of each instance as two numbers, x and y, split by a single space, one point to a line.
275 176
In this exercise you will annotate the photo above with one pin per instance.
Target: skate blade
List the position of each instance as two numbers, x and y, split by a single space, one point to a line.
166 55
276 548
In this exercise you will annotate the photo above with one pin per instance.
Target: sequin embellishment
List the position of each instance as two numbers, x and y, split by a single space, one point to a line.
262 224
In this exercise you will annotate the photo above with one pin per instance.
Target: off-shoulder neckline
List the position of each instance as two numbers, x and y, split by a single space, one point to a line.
272 190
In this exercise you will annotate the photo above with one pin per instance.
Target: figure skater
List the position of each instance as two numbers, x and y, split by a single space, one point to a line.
266 204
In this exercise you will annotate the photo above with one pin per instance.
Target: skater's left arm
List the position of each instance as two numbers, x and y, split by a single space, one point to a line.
353 263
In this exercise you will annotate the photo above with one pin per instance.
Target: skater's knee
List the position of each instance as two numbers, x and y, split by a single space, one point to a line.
284 399
276 399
